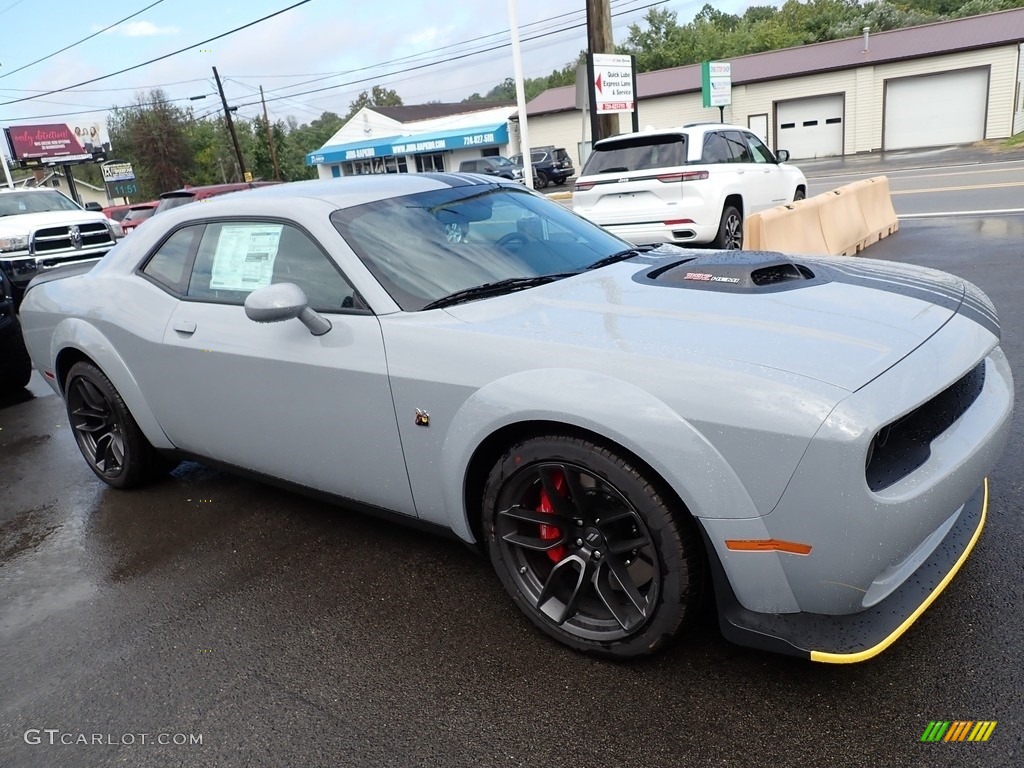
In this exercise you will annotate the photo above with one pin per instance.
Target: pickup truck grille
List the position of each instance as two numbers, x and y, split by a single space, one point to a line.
69 239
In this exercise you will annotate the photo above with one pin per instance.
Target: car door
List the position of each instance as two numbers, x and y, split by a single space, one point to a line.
273 398
777 182
754 185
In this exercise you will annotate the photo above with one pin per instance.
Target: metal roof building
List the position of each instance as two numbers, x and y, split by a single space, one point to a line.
950 82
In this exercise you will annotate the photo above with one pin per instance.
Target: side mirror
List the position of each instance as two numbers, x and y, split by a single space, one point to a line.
782 155
284 301
93 206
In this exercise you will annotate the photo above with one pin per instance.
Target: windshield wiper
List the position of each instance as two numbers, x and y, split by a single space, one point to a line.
496 288
629 253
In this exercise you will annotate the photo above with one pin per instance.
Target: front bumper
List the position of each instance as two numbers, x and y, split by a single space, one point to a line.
22 268
859 636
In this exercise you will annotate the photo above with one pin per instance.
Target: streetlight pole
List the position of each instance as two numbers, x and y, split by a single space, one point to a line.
517 65
231 125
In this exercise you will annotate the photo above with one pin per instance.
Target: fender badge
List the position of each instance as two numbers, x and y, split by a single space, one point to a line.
422 418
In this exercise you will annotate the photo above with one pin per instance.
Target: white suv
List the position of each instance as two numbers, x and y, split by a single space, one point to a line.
693 184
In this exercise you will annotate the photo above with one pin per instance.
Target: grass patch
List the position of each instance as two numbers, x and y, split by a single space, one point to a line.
1015 141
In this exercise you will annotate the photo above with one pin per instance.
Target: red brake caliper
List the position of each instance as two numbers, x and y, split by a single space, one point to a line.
549 532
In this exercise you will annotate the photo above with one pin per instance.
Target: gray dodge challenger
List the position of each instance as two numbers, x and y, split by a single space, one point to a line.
625 431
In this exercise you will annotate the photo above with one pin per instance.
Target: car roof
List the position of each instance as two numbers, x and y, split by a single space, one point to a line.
343 192
690 129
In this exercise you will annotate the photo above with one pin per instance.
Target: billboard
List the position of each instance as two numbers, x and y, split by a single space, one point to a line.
53 143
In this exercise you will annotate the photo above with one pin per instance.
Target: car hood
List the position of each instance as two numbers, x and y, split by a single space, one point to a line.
842 321
23 223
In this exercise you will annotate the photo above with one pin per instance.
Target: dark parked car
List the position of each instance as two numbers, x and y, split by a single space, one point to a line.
551 165
15 366
493 166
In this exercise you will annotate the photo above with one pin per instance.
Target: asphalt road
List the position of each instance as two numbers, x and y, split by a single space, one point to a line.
285 632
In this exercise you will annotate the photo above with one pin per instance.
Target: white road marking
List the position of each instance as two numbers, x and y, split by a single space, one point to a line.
937 214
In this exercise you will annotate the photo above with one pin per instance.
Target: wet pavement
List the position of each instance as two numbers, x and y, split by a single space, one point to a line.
287 632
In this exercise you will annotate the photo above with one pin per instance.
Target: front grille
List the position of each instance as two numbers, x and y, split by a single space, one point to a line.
91 235
903 446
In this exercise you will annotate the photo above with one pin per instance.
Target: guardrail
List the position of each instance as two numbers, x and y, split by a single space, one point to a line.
841 222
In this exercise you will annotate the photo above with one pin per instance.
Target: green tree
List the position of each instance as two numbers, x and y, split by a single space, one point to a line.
153 134
378 96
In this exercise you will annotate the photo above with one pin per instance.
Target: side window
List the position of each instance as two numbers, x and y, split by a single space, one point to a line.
738 147
235 258
761 153
716 149
167 265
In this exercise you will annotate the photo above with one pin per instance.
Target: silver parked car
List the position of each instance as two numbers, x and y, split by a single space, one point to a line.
621 429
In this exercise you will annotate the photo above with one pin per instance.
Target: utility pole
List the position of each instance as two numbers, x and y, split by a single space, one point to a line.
231 125
270 138
599 40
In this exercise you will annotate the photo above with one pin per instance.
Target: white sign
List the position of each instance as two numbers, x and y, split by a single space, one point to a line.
244 258
117 172
613 83
718 83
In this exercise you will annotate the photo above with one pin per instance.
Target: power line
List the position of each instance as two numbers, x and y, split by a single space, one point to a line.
111 90
458 57
79 42
159 58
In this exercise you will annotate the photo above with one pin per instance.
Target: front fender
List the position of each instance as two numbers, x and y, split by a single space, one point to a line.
616 410
74 333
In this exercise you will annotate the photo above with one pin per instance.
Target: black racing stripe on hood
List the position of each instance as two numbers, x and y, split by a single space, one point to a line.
960 301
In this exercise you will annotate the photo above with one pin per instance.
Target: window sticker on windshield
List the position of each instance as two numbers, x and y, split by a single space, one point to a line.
244 257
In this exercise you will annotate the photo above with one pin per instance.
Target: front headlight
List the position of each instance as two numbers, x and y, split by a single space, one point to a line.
14 243
116 229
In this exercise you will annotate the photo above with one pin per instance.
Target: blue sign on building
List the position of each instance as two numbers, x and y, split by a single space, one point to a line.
390 146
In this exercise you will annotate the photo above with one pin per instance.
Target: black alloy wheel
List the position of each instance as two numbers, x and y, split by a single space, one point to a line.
800 194
108 437
540 179
730 230
589 549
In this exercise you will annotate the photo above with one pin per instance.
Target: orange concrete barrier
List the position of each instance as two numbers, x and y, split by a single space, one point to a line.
876 204
842 221
792 228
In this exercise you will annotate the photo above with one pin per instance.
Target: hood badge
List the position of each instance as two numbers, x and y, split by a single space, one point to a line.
75 234
422 418
705 277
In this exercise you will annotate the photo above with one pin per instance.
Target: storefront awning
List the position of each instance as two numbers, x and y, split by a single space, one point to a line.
462 138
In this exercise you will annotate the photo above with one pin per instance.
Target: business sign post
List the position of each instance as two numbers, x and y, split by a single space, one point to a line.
119 179
612 86
716 85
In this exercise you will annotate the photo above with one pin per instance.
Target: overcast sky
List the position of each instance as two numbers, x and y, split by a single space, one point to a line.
351 44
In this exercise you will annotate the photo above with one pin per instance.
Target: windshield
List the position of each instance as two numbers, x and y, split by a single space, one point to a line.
42 201
426 246
138 214
636 153
173 201
501 161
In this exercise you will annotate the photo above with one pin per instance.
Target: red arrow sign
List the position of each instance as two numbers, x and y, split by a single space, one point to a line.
598 83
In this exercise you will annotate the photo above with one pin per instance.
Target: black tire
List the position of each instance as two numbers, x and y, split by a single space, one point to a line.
15 364
730 230
540 179
800 194
617 589
108 437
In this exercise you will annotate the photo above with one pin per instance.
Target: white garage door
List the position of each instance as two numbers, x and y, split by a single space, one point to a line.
811 127
936 110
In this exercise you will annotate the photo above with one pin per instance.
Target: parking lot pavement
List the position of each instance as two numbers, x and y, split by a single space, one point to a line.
285 632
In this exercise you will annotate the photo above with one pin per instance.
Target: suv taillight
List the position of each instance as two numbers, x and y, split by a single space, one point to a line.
582 186
685 176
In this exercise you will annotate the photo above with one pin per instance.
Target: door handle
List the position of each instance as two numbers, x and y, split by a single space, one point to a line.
185 327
